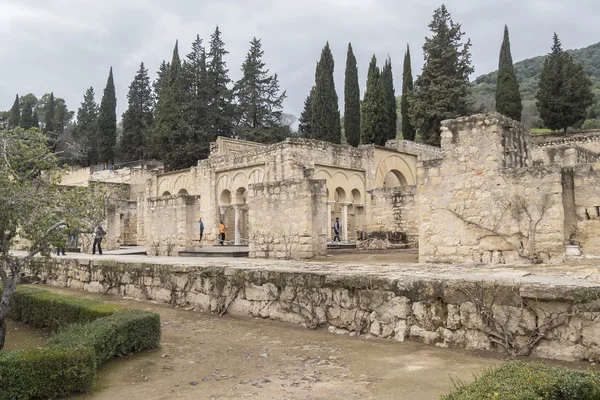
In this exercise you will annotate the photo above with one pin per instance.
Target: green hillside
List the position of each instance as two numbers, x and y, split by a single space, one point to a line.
528 71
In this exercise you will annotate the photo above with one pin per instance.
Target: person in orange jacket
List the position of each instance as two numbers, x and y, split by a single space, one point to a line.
222 230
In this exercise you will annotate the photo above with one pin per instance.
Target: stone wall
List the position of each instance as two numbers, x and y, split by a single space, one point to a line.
286 219
170 224
394 211
423 151
483 202
586 180
589 140
562 321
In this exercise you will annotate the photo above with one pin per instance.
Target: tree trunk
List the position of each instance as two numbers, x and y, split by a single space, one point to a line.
565 130
2 333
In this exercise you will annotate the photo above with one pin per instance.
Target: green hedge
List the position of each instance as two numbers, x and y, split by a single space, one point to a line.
46 310
120 334
530 381
45 373
91 333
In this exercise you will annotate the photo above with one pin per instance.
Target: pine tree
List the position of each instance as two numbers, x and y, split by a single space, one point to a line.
325 112
107 122
195 106
170 133
137 119
50 122
351 100
220 109
15 114
304 127
375 116
387 85
442 90
565 91
508 97
259 100
85 132
408 130
27 116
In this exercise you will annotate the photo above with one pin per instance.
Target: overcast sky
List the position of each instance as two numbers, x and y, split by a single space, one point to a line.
66 46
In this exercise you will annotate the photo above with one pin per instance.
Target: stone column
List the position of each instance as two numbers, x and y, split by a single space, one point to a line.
344 226
330 204
238 237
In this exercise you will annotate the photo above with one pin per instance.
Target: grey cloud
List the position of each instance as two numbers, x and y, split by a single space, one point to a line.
67 46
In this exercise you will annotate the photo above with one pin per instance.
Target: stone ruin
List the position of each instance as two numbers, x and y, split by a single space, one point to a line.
490 194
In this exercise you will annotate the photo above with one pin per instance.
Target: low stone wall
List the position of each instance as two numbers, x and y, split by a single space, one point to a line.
543 320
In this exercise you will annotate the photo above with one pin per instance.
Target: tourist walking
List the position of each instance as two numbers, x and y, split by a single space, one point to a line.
73 240
61 243
336 230
222 230
98 236
201 231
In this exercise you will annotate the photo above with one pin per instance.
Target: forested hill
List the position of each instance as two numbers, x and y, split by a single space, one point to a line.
528 71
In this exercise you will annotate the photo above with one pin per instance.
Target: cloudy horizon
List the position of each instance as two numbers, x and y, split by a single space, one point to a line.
67 46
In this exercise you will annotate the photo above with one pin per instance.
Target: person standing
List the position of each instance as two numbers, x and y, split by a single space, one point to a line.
201 231
336 230
222 230
73 240
98 236
61 244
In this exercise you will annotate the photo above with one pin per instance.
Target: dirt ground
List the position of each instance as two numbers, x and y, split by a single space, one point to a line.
208 357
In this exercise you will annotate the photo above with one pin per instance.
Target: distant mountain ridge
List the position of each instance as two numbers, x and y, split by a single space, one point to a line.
528 71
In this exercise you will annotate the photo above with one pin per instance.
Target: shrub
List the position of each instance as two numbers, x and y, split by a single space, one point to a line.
117 335
530 381
45 373
46 310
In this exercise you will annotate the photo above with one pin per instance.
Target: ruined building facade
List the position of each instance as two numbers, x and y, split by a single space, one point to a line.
490 194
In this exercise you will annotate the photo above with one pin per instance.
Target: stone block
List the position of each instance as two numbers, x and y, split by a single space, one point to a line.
94 287
590 333
477 340
163 296
429 337
564 351
520 321
429 316
470 318
401 330
372 299
453 320
375 329
265 292
344 298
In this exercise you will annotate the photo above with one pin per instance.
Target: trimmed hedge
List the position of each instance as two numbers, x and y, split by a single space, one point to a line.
120 334
530 381
45 373
46 310
91 333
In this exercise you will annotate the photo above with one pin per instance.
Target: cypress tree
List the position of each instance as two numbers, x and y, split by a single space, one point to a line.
508 97
442 90
375 114
565 91
35 119
259 100
351 100
220 109
15 114
196 102
408 130
85 131
162 72
325 112
50 122
137 119
27 116
387 85
170 133
107 122
304 127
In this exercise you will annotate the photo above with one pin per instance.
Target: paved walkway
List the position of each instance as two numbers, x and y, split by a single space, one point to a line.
575 273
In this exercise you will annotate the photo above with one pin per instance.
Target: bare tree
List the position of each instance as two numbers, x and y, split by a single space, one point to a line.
35 211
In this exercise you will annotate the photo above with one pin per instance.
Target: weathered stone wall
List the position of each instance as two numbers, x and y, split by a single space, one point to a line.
286 219
589 140
544 320
423 151
394 210
483 202
170 224
586 179
564 155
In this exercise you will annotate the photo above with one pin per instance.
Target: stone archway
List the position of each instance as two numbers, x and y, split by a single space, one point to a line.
394 178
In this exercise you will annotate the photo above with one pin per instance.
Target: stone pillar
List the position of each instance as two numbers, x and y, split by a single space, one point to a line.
344 226
222 209
238 237
330 204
